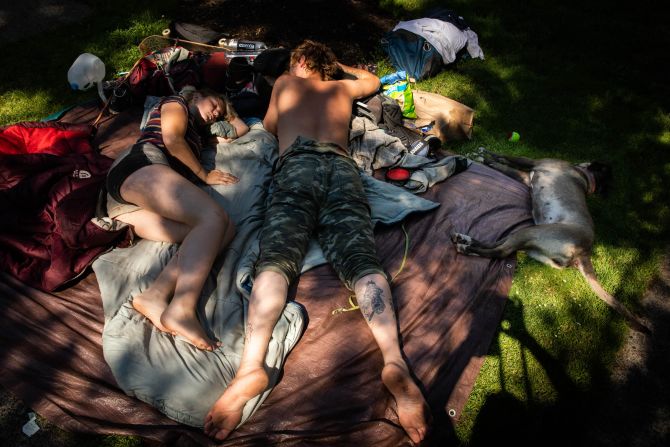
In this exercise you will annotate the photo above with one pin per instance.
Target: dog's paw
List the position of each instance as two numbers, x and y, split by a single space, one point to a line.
460 238
462 242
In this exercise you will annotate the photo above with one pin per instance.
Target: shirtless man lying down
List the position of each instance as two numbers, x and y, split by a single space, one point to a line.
317 186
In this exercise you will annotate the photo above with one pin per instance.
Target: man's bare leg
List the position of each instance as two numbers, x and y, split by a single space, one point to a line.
266 303
374 298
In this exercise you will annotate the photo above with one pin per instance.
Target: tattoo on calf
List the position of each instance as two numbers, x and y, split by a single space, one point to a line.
372 301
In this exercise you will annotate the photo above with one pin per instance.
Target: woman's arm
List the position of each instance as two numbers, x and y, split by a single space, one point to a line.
233 118
240 126
174 122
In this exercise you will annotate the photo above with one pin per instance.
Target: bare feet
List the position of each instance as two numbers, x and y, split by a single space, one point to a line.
179 320
152 305
413 411
226 412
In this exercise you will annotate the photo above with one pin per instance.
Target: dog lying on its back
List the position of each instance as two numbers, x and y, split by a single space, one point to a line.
563 233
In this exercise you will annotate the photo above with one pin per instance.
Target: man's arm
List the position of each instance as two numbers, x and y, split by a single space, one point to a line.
365 83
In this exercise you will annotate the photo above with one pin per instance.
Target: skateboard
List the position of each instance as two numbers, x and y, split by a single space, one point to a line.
153 43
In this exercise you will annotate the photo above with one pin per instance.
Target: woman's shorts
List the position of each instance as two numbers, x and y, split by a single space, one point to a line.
133 159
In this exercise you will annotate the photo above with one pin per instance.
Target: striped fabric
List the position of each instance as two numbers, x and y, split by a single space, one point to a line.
153 134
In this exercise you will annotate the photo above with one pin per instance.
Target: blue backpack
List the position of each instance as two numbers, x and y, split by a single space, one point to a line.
412 53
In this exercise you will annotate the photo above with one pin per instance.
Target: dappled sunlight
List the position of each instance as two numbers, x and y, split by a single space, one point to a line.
129 23
574 87
21 105
404 5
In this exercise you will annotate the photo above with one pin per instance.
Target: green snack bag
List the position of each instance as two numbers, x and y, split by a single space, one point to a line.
401 91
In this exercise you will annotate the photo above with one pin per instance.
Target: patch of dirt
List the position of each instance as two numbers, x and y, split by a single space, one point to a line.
636 411
352 28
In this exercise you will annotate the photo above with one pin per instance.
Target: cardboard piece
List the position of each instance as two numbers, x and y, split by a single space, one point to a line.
453 120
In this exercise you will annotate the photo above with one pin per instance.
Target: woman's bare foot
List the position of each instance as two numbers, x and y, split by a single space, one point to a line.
182 321
151 304
226 412
413 411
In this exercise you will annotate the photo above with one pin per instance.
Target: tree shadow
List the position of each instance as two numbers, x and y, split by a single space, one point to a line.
627 408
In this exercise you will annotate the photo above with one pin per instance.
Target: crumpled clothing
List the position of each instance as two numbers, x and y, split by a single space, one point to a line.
372 148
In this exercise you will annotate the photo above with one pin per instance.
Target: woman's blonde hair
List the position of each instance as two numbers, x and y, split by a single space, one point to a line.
189 92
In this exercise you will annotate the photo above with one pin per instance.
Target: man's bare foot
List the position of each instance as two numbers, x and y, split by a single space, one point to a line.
152 305
226 412
413 411
182 321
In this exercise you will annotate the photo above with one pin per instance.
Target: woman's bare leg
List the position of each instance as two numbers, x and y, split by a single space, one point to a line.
374 298
266 303
148 225
160 190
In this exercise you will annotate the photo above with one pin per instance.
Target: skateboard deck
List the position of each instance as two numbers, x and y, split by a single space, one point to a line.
153 43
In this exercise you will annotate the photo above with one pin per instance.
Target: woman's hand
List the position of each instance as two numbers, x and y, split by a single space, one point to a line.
216 177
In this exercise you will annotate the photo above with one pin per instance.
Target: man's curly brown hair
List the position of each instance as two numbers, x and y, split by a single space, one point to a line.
318 58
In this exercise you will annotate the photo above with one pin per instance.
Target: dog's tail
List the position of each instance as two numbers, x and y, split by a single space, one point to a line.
584 265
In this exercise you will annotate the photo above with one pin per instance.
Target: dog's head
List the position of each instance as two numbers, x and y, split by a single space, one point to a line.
602 173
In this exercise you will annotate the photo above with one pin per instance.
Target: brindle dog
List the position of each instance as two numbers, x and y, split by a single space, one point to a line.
563 233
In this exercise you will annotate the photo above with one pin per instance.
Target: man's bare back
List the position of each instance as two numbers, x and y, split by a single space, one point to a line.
319 110
315 109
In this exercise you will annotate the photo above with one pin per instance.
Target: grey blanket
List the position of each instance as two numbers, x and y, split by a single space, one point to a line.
181 381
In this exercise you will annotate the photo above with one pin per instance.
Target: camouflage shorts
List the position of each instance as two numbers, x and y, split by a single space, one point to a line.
318 191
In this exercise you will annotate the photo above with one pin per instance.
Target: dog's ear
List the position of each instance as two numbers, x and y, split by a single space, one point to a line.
602 172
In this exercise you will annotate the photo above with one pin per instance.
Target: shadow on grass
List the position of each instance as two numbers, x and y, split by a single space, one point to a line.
627 408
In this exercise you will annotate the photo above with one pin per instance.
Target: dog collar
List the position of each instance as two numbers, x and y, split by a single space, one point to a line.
589 178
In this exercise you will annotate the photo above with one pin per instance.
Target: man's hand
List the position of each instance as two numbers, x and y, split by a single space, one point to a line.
216 177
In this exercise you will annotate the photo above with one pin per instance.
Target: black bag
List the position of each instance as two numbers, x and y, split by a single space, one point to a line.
387 114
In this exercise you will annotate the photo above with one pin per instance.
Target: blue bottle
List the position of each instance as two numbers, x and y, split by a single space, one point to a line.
394 77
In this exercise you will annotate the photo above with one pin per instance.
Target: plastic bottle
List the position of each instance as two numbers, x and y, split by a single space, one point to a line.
242 46
425 146
394 77
85 71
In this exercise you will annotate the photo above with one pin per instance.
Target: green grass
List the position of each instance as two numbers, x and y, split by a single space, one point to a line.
35 84
579 81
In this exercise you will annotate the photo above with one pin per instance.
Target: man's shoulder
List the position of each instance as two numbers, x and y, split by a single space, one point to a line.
285 78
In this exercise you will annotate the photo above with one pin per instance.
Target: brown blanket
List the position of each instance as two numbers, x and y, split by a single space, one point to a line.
448 307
